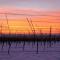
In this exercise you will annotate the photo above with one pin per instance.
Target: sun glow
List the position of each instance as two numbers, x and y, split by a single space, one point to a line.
21 25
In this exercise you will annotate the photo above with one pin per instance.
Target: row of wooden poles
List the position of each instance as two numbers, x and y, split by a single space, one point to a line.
30 25
32 29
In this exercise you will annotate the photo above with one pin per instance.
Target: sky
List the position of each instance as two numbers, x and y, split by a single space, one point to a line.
38 4
43 13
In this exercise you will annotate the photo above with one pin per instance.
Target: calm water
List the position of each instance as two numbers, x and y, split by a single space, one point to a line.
29 51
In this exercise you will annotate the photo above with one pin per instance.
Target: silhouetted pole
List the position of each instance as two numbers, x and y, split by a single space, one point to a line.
35 37
32 25
50 32
9 33
7 23
41 38
1 37
24 42
29 24
1 30
50 36
32 28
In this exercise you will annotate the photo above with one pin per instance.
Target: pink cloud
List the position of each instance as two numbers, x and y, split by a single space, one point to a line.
30 11
35 0
40 0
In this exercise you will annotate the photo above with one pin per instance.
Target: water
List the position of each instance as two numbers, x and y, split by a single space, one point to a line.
19 51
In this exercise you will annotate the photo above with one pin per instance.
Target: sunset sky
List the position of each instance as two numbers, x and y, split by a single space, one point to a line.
42 13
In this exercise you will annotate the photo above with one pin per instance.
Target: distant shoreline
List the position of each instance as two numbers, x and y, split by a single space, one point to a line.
30 37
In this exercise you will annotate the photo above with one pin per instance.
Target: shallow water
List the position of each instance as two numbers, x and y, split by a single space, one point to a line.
19 51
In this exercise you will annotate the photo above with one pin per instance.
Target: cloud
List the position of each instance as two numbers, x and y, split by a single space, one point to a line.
29 0
40 0
31 3
30 11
